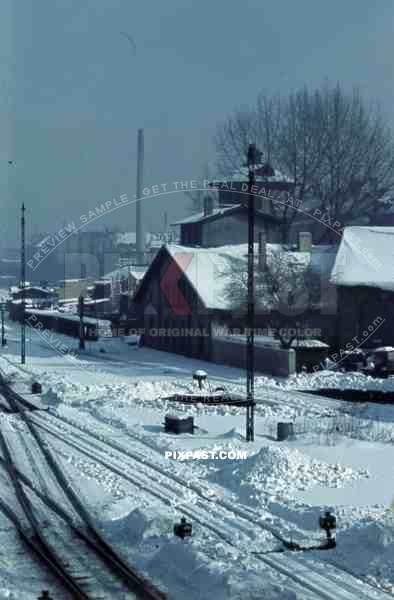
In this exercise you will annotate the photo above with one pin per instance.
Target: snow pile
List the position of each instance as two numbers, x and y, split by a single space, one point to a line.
58 392
9 372
181 567
367 549
277 471
51 397
234 434
194 568
136 526
341 381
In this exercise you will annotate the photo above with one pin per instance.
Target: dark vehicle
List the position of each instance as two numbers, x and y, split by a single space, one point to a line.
353 360
380 362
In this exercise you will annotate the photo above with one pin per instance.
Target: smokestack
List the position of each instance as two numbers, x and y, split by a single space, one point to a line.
140 242
305 241
262 250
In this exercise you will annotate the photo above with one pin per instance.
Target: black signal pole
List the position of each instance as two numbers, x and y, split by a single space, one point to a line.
254 157
81 325
3 338
23 287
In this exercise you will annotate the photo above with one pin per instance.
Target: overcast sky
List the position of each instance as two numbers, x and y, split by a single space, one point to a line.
74 91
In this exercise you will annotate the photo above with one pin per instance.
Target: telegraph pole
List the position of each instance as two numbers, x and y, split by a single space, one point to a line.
3 338
81 325
254 157
23 287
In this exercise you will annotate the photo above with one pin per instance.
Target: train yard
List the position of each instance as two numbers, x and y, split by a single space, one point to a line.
55 524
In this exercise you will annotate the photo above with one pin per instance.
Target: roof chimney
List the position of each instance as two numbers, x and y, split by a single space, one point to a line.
208 205
305 241
262 250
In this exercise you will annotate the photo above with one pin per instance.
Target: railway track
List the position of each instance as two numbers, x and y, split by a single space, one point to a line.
217 515
79 584
321 581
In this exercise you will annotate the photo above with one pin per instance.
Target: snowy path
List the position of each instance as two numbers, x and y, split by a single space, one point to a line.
327 582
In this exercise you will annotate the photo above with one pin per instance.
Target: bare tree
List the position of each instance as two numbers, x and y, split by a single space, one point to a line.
281 289
337 148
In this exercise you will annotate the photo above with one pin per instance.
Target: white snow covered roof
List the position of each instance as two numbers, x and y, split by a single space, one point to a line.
209 269
54 313
136 272
34 288
130 237
43 241
68 301
206 270
196 217
96 301
217 212
365 258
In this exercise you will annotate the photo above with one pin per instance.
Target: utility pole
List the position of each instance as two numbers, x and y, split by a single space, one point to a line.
81 325
253 159
3 338
23 287
140 241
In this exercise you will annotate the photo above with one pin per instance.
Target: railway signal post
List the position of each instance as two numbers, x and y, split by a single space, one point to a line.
3 338
81 325
253 158
23 286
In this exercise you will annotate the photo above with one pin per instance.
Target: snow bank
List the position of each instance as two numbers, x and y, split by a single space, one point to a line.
277 471
182 568
337 380
367 549
136 526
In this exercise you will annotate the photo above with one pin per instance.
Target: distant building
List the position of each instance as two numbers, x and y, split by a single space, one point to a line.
269 183
226 225
188 289
125 246
364 276
227 222
111 295
35 297
89 254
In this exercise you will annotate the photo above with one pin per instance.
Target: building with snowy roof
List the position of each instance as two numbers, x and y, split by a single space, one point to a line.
233 189
218 226
187 290
224 218
364 276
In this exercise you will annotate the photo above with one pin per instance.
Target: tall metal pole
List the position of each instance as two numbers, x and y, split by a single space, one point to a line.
23 287
81 325
140 242
3 340
252 161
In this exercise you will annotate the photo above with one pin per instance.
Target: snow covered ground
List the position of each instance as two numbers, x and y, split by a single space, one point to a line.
106 424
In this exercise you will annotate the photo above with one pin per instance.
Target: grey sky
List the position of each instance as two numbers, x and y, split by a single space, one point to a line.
81 93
